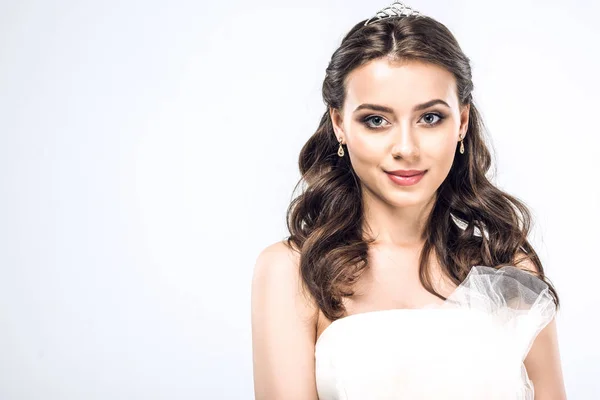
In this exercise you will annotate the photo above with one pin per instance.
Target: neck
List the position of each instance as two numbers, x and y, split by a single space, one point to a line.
394 226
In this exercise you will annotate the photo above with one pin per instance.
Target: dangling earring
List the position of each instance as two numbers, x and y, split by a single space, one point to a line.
462 146
341 149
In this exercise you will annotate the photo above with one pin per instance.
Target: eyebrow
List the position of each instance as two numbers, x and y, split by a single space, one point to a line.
418 107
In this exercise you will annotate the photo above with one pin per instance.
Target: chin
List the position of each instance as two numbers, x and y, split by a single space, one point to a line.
405 200
408 199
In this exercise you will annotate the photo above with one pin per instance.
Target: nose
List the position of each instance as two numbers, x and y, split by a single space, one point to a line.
404 142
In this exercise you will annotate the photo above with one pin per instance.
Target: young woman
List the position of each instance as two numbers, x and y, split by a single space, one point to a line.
407 274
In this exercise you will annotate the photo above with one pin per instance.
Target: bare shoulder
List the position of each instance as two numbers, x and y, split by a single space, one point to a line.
283 327
543 362
277 273
285 258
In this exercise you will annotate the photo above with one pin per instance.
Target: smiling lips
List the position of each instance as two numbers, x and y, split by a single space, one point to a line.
405 177
406 172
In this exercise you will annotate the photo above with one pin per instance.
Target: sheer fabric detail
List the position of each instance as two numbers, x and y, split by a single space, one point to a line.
471 346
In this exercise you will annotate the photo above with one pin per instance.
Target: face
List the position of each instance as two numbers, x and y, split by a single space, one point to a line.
400 116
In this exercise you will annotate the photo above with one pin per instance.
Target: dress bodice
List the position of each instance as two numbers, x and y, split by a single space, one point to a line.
472 346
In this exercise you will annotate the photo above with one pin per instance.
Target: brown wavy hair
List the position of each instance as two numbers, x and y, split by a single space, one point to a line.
325 220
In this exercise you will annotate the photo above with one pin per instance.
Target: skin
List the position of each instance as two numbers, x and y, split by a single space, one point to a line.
286 322
400 139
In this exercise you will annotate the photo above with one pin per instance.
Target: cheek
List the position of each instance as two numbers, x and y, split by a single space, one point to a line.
366 151
440 147
438 155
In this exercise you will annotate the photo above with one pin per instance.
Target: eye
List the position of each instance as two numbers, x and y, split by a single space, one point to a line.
430 119
373 121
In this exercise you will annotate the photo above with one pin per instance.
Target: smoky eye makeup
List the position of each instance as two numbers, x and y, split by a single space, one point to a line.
375 121
440 117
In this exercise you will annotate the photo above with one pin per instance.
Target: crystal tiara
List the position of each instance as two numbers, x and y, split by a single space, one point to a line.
396 9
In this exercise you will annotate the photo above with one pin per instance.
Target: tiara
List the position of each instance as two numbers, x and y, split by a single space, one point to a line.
396 9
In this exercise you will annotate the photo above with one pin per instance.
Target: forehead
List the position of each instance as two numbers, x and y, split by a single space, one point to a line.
399 85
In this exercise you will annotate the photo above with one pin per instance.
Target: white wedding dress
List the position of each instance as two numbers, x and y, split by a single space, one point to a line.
472 346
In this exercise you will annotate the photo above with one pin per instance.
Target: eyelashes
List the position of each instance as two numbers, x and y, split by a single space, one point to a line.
367 121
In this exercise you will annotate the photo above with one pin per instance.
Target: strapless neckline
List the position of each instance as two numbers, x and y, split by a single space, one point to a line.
370 314
470 346
427 307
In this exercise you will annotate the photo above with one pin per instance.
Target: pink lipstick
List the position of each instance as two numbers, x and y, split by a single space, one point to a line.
406 177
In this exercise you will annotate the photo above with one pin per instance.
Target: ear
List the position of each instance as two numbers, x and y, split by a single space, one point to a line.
464 120
337 122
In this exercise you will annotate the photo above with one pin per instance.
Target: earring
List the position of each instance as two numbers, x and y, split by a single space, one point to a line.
341 149
462 146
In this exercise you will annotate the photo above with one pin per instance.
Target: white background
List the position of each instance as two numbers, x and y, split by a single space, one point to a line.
148 153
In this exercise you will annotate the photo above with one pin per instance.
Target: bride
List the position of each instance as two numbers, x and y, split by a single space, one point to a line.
407 274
